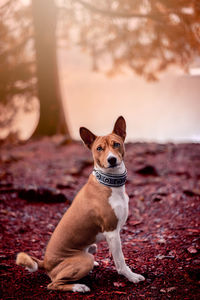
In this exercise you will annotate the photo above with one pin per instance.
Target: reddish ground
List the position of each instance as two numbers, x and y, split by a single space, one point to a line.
38 180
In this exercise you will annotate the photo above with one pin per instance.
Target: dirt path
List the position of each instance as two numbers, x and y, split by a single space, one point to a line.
38 180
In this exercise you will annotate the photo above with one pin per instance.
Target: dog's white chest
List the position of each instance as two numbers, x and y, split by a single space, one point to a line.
119 203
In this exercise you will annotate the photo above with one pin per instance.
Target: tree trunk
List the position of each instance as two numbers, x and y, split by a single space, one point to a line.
52 118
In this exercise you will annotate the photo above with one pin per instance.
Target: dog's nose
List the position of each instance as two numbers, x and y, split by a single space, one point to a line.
112 161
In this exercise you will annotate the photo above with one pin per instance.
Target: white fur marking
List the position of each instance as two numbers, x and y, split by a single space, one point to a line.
81 288
119 203
34 269
114 243
100 237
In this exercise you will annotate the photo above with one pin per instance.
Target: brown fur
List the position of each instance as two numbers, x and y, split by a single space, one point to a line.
76 231
107 143
66 259
25 260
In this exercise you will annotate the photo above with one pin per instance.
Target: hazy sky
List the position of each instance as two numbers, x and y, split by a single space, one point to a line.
168 110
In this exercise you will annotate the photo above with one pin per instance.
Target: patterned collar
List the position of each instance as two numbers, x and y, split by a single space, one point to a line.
112 180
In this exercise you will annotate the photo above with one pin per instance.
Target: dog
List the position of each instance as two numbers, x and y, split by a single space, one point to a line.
97 213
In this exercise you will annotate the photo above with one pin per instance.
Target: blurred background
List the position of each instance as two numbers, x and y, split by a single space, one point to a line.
66 64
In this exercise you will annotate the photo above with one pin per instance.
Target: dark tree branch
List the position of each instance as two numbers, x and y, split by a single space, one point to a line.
117 14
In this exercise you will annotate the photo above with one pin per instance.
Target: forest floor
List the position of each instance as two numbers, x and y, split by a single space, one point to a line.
38 181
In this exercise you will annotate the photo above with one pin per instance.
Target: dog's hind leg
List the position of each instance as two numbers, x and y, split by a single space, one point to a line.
70 270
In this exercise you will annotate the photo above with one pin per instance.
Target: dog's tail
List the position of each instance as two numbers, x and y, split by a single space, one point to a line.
30 263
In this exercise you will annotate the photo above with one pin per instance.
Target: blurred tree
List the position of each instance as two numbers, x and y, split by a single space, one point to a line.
28 58
17 76
145 36
52 119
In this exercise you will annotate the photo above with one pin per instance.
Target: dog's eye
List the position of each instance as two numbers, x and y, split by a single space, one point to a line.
99 148
116 145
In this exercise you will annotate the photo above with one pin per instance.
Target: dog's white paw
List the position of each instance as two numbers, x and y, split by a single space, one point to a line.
81 288
96 264
135 278
131 276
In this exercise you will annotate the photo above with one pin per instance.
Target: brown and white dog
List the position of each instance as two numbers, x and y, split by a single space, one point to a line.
97 213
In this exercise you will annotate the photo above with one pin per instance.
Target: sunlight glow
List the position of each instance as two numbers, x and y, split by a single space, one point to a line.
195 71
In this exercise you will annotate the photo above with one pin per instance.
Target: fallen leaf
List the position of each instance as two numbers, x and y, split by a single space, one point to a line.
168 290
105 262
159 256
192 249
162 241
119 284
193 230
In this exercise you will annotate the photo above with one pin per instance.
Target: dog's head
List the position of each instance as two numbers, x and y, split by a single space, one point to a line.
108 151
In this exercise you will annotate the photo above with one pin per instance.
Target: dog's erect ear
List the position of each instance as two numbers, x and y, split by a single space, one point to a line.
87 136
120 127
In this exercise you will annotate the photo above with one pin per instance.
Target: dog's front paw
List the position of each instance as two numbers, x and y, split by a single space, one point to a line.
131 276
135 278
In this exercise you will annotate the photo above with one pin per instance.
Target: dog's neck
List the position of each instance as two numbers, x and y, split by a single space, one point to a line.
112 177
